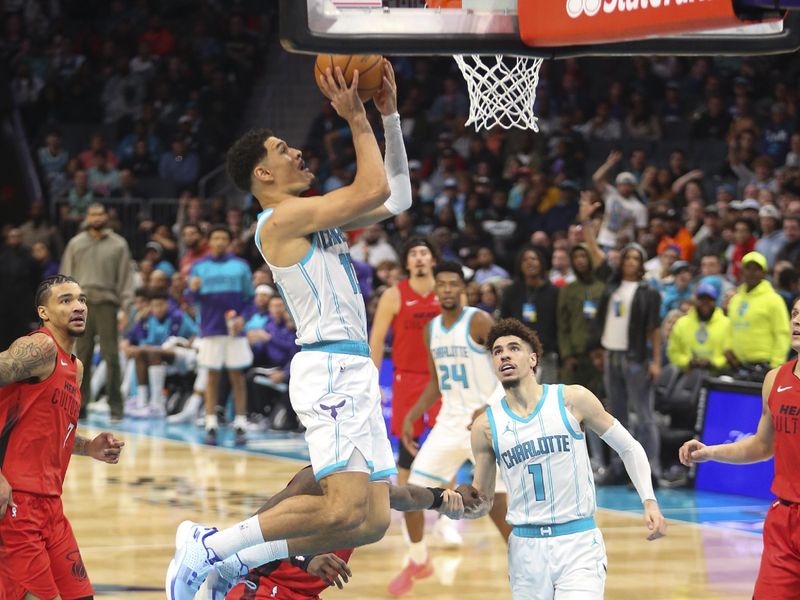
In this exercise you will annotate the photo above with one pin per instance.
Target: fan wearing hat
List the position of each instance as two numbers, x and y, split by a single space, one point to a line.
709 237
625 214
772 239
676 234
759 319
699 339
679 290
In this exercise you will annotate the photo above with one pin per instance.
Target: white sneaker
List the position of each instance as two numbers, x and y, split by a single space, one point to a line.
191 563
100 407
224 576
188 412
447 532
139 412
157 411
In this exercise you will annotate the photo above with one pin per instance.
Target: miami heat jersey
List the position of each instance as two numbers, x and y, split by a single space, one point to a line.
321 291
784 406
408 344
37 427
465 372
543 461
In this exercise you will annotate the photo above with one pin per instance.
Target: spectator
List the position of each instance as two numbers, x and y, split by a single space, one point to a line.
679 290
38 228
709 238
532 299
787 285
103 178
641 123
372 247
220 285
744 241
256 316
180 165
772 238
777 134
699 339
713 122
158 38
793 156
194 247
560 270
487 270
603 126
141 163
676 234
101 260
624 214
97 143
41 254
791 247
80 196
20 275
488 299
759 320
53 159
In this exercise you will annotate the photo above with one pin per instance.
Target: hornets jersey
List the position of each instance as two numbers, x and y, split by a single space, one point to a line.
465 372
321 291
543 461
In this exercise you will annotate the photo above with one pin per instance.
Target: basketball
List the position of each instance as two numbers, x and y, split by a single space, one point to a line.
369 67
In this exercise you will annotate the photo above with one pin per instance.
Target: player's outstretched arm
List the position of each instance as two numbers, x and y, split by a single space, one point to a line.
586 408
412 498
369 189
479 497
32 357
395 160
755 448
105 447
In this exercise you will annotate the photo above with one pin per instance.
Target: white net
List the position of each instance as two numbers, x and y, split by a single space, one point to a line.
502 90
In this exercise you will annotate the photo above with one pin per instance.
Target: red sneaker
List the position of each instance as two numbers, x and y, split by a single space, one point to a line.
404 580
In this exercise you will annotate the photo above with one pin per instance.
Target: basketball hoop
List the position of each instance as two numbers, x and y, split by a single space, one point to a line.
502 90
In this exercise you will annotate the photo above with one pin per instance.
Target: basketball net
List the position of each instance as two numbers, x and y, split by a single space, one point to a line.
502 90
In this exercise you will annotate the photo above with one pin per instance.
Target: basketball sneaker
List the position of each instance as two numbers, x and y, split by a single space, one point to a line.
191 563
224 576
404 580
447 533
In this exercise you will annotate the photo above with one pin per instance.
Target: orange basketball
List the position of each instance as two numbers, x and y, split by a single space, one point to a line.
369 67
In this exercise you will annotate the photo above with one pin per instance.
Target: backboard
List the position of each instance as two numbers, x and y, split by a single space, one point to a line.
543 28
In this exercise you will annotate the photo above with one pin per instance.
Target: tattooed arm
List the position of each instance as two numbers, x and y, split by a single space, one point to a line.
81 446
105 447
29 357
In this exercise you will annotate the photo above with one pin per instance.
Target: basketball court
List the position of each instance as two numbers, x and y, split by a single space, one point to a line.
125 518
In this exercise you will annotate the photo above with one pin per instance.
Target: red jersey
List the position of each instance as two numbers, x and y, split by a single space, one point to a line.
784 406
408 344
37 427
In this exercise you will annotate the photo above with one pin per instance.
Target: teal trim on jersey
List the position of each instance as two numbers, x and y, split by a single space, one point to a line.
563 409
470 343
429 475
493 427
286 302
309 281
310 253
351 347
385 474
330 373
555 530
535 412
337 466
336 300
449 329
259 223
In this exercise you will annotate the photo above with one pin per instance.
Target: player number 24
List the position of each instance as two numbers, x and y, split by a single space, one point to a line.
456 373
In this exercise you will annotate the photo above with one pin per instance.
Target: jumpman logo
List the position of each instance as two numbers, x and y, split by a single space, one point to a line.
508 429
334 409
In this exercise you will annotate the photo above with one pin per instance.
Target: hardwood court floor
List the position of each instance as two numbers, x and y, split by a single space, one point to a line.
125 516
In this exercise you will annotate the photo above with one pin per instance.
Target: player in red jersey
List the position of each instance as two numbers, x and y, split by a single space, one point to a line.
40 380
778 435
305 577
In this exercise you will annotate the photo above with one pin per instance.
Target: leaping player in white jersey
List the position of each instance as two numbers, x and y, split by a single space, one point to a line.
334 385
461 373
535 435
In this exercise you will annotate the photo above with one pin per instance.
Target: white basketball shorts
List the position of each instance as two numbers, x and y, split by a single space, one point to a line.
337 399
218 351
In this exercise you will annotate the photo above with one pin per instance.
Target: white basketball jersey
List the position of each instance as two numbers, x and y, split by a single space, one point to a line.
321 291
464 369
544 462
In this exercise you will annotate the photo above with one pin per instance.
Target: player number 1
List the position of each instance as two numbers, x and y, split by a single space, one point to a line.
347 265
70 427
538 480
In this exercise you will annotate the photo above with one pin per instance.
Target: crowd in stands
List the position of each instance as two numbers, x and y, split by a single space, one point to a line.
652 225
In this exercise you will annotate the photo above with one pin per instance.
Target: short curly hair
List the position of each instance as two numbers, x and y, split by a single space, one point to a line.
514 327
244 155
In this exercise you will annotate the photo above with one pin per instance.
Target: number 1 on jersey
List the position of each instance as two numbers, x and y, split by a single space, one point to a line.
538 480
347 265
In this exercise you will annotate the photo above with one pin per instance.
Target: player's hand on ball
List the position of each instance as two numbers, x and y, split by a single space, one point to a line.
344 99
655 521
6 499
106 448
694 451
331 569
452 505
386 98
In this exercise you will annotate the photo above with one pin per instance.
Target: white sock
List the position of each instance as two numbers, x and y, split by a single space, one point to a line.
229 541
142 395
157 375
211 422
193 404
240 422
418 552
255 556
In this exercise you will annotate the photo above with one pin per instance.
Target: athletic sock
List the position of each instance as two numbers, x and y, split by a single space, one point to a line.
157 375
261 554
418 552
142 395
229 541
211 422
240 422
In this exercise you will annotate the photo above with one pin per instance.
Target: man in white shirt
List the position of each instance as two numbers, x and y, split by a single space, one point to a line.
625 213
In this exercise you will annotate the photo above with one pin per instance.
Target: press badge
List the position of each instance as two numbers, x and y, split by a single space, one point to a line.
589 309
529 312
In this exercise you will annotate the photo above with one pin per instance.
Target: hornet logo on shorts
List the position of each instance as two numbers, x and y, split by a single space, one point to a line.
338 407
576 8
